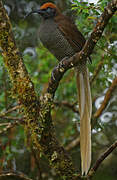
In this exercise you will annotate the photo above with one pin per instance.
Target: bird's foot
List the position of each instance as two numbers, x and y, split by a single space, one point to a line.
59 68
53 73
62 63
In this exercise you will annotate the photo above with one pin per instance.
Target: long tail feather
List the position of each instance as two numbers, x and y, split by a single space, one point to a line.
85 109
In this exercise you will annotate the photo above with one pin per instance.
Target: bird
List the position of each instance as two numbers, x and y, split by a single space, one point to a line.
59 34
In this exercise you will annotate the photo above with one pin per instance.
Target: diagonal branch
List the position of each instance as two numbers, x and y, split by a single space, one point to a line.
66 64
10 110
67 104
107 98
13 175
97 70
101 159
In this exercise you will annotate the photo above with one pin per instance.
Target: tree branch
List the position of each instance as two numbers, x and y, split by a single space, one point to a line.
97 70
10 125
13 175
101 159
67 104
10 110
74 143
106 98
66 64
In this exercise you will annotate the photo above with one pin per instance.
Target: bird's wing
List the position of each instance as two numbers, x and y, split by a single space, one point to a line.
70 31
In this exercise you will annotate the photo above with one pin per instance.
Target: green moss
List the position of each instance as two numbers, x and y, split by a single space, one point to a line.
37 111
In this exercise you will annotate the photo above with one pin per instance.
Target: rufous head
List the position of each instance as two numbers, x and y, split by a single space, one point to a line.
47 10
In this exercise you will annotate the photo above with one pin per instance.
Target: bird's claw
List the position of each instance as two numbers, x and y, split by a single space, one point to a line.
62 62
60 68
53 72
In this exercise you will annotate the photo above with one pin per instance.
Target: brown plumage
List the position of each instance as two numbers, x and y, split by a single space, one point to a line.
62 38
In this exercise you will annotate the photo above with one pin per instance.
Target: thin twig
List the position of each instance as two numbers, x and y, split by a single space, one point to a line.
107 51
10 125
67 104
12 175
73 144
10 110
11 118
97 70
101 159
71 106
4 124
107 98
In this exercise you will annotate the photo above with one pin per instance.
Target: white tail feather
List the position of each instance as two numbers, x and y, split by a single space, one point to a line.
85 109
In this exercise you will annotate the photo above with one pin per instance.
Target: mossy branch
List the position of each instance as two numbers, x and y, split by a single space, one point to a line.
37 112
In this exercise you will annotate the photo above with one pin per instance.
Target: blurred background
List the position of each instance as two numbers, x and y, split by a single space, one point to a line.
15 151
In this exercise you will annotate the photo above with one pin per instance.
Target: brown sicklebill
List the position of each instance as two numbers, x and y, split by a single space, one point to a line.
62 38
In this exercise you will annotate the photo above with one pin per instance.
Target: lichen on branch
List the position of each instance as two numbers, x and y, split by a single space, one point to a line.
37 112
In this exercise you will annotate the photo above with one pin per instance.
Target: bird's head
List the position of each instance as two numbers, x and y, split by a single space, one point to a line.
47 10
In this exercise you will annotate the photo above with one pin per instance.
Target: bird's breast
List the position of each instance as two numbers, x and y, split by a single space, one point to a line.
54 40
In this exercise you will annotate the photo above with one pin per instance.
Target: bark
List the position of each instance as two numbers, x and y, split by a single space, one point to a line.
37 112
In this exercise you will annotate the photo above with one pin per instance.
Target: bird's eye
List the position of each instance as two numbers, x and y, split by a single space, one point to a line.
50 10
